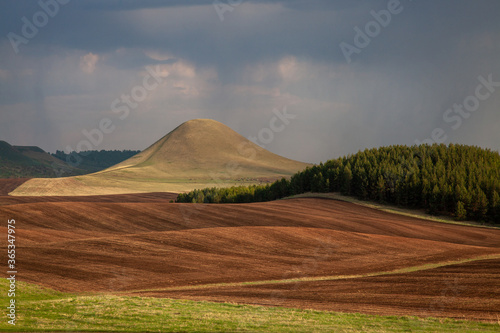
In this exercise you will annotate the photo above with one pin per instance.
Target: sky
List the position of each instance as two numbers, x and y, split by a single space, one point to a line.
310 80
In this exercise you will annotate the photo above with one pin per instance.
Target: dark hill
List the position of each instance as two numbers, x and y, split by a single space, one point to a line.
31 161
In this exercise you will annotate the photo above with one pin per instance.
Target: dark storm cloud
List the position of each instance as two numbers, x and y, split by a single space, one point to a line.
293 4
106 25
394 90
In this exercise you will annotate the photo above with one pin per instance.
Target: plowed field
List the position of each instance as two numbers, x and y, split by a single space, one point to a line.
142 244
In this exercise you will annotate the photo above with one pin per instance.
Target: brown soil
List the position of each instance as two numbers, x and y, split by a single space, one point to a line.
136 197
463 291
10 184
137 242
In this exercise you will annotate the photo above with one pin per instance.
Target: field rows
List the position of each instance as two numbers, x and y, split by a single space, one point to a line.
122 244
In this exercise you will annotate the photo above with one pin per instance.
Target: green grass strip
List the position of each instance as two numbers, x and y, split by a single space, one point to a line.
43 310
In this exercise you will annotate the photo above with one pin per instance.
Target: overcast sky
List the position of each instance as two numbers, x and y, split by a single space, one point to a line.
355 74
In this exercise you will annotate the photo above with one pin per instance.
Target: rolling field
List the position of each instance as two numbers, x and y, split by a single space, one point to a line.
307 253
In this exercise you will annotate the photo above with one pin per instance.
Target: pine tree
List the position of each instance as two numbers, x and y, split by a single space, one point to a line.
460 212
434 200
482 205
494 210
345 184
381 189
315 183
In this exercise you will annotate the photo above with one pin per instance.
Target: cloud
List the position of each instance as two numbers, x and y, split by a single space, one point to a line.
88 62
288 69
264 55
4 74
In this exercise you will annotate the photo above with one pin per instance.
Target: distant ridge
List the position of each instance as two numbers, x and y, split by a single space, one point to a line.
196 154
95 160
31 161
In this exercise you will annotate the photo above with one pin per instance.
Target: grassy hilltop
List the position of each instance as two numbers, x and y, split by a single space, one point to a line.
196 154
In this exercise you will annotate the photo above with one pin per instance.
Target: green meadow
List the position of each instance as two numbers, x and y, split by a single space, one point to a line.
41 309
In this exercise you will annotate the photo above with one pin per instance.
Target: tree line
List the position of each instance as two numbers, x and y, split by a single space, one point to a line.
458 180
95 160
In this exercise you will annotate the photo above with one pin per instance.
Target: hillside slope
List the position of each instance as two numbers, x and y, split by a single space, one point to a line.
31 161
196 154
204 149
